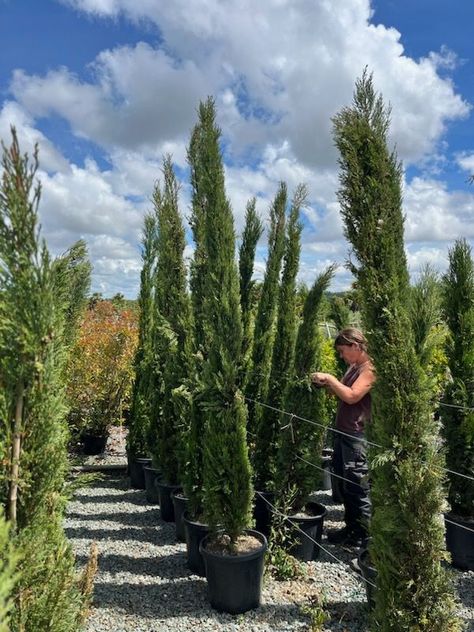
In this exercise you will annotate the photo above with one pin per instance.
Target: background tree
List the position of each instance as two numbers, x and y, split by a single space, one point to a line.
407 545
266 444
34 304
172 330
252 232
143 384
301 440
458 422
264 333
227 477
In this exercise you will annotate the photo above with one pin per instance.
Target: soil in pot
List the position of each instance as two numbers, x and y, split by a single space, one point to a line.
166 504
93 444
234 580
135 470
194 532
460 541
152 475
311 521
369 574
262 512
180 503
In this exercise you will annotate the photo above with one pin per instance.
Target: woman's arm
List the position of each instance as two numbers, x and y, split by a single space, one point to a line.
348 394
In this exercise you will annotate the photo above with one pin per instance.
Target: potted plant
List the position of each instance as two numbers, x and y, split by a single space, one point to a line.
233 555
301 443
457 407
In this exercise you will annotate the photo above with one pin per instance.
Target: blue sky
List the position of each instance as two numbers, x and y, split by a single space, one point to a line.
107 86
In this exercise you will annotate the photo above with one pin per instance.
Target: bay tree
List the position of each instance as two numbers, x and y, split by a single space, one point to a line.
253 230
226 471
34 308
264 332
142 392
282 358
301 443
172 331
407 545
457 414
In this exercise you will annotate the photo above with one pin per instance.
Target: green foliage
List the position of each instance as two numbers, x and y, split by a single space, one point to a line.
300 440
252 232
34 311
266 445
8 574
458 424
264 333
226 467
170 418
143 387
314 609
413 591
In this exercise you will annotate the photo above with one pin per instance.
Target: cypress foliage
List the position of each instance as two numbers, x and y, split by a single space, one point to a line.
8 562
425 314
300 440
173 333
266 312
34 304
458 424
142 394
252 232
266 445
407 546
227 484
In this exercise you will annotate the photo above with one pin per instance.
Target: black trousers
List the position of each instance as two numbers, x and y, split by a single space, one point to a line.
350 462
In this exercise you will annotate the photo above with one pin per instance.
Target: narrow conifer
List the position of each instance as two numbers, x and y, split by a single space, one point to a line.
407 545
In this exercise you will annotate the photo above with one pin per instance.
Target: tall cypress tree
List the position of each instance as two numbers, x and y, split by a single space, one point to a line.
266 445
458 418
142 394
301 440
264 333
172 329
34 304
407 538
252 232
227 484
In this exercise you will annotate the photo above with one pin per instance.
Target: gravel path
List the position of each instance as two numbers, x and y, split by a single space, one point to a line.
144 585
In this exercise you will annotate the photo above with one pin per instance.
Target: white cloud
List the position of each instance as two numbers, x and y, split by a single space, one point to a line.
466 162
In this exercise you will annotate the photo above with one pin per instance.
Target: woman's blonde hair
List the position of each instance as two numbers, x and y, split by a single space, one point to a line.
351 336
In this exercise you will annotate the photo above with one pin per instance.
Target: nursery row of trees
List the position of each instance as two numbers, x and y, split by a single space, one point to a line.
207 359
41 300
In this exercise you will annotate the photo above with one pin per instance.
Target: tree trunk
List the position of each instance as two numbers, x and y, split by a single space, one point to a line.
16 449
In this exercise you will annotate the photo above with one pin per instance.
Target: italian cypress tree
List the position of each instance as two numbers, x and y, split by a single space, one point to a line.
301 440
458 423
172 330
142 394
8 562
227 477
252 232
264 333
266 444
34 304
407 546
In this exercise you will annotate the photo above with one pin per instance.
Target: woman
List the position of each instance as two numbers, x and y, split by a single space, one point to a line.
353 413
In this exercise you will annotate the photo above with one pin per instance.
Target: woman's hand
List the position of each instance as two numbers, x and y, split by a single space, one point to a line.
320 379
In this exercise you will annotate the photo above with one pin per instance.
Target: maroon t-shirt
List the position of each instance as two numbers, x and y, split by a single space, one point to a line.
353 417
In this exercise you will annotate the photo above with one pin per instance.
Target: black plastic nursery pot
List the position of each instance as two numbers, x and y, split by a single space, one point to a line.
304 548
93 444
194 532
369 574
166 504
326 461
180 504
234 581
262 512
135 470
460 541
152 475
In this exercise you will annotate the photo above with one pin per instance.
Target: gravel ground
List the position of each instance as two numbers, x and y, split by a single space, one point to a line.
144 585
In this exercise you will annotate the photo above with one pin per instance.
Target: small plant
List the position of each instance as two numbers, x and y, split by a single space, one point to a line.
314 609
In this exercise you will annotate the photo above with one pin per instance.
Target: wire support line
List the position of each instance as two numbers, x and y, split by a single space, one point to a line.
457 406
322 470
277 512
310 421
346 434
456 524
